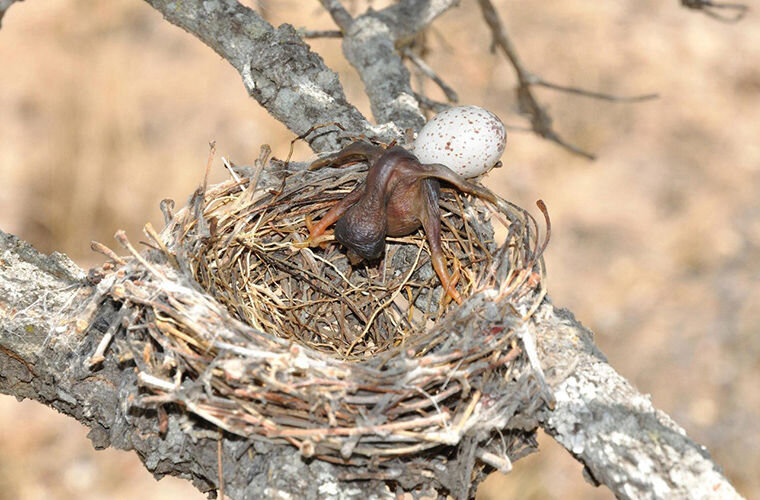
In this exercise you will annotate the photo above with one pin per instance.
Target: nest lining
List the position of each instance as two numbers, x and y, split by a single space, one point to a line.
219 311
255 261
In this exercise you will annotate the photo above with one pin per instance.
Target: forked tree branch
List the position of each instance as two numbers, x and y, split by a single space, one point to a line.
406 18
370 44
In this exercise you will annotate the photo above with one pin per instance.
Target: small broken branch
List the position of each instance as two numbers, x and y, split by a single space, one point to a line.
722 11
339 14
450 93
431 104
320 33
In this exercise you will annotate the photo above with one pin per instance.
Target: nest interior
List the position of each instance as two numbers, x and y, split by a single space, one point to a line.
257 263
246 326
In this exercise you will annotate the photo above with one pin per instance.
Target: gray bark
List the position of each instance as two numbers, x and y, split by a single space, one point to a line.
628 445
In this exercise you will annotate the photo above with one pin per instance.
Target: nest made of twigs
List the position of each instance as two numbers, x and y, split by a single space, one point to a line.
255 261
249 328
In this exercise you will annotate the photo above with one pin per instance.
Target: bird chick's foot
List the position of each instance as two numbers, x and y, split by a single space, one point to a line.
318 237
450 290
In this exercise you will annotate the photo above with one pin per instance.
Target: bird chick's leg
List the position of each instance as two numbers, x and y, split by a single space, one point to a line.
335 213
356 151
431 222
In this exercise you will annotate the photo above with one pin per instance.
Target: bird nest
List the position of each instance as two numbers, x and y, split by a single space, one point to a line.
233 316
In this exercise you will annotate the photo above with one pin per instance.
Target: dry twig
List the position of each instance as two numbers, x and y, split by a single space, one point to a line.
450 93
722 11
541 122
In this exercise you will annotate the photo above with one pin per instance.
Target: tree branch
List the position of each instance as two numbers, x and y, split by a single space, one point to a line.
408 17
537 80
625 443
339 14
541 122
304 33
278 68
368 45
426 70
628 445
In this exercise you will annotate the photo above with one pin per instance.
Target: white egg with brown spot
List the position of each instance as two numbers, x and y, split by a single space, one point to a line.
467 139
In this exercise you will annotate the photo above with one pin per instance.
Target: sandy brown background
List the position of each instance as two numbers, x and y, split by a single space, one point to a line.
105 109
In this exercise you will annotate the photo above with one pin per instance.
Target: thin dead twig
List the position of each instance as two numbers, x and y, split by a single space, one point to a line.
339 14
713 9
541 121
305 33
593 94
426 70
432 105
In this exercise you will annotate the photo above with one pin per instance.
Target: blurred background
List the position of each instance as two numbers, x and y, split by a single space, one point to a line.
105 109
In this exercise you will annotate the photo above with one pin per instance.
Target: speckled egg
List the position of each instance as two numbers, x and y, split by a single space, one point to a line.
467 139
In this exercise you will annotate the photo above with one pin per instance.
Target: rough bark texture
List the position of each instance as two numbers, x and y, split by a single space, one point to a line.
409 17
626 444
368 46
